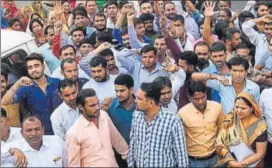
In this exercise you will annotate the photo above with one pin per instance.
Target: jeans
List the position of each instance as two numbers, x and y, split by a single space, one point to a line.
204 163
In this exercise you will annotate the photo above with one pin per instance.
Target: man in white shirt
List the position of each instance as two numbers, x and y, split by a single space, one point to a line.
102 82
266 106
112 9
169 88
68 51
8 134
40 150
67 113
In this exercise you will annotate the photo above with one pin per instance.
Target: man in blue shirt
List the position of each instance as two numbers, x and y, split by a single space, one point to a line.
36 91
121 108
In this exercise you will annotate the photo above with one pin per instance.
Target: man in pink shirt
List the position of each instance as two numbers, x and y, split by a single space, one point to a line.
90 140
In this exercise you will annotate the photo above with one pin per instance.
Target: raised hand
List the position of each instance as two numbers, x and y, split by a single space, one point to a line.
170 67
163 22
58 8
267 18
107 103
131 14
24 81
209 8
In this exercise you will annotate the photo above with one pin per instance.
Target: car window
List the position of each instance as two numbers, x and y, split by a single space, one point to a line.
15 61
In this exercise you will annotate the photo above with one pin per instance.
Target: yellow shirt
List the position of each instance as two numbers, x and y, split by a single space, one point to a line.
201 129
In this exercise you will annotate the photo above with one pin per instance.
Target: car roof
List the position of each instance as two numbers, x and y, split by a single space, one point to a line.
11 39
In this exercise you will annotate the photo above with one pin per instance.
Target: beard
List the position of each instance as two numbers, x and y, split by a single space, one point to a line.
202 62
36 77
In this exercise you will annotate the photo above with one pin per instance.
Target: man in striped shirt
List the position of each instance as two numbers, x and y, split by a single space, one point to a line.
157 136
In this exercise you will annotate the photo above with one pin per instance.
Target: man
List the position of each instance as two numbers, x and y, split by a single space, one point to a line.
85 47
111 66
202 120
232 40
8 134
163 55
40 150
202 50
258 39
69 69
101 81
219 65
157 137
91 8
145 7
112 8
36 91
67 113
46 51
168 88
265 105
146 70
232 85
68 51
90 140
121 109
13 112
261 9
148 19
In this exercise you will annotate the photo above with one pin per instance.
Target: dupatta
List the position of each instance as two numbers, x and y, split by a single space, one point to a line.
234 133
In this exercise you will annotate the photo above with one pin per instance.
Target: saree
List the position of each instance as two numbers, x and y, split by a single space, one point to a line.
233 133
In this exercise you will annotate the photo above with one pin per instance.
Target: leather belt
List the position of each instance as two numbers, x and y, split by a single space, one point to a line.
202 158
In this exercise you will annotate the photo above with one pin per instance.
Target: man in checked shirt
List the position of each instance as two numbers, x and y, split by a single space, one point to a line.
157 136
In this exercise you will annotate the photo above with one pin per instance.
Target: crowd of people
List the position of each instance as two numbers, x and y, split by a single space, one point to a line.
139 84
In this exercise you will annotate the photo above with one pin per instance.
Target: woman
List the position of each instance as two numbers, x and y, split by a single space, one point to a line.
26 12
10 4
36 7
23 21
243 125
36 27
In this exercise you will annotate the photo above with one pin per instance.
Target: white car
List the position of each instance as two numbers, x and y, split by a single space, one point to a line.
15 46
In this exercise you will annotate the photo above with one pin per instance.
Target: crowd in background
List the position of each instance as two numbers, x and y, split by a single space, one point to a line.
138 84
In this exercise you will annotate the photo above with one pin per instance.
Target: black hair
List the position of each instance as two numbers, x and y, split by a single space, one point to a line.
243 45
220 28
100 15
258 4
12 21
196 86
34 56
124 31
3 112
80 13
124 79
106 52
122 3
111 2
33 14
178 18
78 29
245 100
103 37
242 17
148 48
4 73
168 2
66 83
227 11
90 1
32 117
230 32
137 21
67 46
83 95
32 21
151 91
218 46
190 57
85 41
98 60
67 60
162 82
238 61
202 43
146 17
159 36
79 8
47 28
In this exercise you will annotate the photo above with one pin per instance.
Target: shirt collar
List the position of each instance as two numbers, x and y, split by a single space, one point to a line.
65 107
118 104
49 81
247 86
27 147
